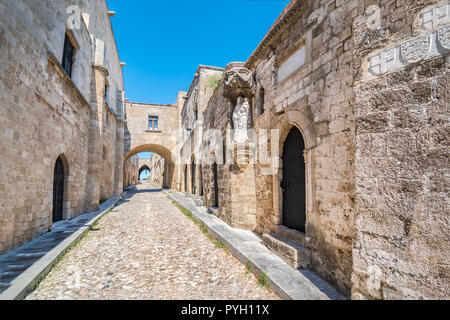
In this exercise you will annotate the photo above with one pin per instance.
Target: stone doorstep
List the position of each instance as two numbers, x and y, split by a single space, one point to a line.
298 257
25 282
291 235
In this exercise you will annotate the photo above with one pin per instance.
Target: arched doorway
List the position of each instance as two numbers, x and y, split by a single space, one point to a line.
58 190
216 186
193 168
185 178
201 180
293 184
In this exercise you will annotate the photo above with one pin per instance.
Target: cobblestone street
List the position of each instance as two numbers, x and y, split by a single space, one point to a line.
145 248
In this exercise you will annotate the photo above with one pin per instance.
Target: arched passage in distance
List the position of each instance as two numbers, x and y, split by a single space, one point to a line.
142 169
169 180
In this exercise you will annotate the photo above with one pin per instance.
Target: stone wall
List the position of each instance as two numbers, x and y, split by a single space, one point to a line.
45 114
200 91
131 171
402 150
157 170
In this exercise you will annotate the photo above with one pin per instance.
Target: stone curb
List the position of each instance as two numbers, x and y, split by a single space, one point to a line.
27 280
284 281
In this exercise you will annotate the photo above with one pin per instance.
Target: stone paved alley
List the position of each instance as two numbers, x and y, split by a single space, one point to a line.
145 248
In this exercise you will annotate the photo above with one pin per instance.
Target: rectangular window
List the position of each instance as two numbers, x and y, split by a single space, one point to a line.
67 60
152 123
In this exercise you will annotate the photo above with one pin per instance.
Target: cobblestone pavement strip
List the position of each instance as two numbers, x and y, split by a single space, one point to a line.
145 248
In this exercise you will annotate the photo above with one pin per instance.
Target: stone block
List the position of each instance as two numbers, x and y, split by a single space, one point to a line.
296 256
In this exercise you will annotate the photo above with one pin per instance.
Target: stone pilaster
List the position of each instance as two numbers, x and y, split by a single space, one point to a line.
99 75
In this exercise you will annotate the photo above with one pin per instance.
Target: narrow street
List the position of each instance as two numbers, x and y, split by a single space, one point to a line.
145 248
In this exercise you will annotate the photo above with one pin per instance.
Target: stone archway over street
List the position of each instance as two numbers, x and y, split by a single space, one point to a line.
153 128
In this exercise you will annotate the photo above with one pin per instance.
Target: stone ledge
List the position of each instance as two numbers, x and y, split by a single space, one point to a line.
247 247
52 250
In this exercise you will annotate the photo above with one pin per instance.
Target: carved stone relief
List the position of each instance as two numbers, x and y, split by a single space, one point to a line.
423 47
415 50
444 37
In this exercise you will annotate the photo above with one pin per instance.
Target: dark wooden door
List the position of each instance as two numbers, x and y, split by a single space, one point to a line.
293 184
193 177
216 186
185 179
201 180
58 190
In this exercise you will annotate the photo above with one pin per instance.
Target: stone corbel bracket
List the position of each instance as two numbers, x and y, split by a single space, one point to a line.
238 81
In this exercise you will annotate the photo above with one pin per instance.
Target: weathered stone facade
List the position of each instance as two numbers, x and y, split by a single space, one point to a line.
131 171
46 114
195 103
157 166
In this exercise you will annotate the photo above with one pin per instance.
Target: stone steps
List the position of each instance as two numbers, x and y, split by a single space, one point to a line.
297 256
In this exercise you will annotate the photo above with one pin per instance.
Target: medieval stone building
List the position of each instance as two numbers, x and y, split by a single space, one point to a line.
331 141
197 97
61 114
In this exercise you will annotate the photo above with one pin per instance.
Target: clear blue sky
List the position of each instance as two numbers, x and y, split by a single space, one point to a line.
163 42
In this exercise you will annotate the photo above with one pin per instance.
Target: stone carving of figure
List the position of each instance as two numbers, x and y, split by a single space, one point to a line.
240 119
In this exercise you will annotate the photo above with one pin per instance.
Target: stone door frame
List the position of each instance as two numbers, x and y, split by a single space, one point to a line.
306 128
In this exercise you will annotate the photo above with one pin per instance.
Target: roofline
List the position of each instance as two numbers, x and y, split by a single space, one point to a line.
274 29
196 72
151 104
201 66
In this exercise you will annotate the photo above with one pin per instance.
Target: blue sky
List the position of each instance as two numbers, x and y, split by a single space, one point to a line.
145 155
163 42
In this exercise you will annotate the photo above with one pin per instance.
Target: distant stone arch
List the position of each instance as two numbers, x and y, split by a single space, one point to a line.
142 169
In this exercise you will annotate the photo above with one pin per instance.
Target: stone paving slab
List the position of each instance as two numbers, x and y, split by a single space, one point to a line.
248 248
22 268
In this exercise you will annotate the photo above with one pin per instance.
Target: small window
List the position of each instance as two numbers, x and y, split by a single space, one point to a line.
196 114
152 123
260 105
68 55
